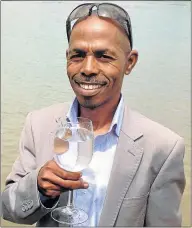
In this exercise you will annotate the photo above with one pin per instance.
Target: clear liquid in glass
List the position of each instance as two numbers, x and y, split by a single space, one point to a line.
73 148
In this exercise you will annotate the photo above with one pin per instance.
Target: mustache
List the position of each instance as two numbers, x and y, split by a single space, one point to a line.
89 79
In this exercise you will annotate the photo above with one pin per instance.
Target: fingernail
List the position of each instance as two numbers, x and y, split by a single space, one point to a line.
86 185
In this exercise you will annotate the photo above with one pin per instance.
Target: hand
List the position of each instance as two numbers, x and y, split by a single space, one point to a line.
52 180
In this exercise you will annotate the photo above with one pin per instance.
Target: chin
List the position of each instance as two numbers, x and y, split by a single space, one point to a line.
88 103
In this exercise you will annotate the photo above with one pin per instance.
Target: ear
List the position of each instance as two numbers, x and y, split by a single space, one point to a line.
131 61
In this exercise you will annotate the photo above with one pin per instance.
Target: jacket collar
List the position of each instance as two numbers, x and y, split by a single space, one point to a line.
131 124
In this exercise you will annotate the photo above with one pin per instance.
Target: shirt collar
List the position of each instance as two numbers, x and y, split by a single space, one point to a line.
117 118
73 111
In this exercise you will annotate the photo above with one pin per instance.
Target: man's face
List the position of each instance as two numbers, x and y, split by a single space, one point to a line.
97 61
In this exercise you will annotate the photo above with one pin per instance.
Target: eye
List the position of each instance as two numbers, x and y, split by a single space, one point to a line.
79 55
107 57
103 56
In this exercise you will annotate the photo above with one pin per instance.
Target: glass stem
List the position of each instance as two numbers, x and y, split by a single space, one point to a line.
70 198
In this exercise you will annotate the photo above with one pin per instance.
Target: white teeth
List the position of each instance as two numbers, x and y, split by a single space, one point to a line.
90 87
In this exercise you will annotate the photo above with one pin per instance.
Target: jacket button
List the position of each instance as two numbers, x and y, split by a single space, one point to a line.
31 202
26 206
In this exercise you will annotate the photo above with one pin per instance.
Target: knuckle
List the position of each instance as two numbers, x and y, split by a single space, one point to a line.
58 188
69 184
44 185
74 184
66 184
53 193
55 187
49 192
65 174
46 175
48 169
72 175
49 163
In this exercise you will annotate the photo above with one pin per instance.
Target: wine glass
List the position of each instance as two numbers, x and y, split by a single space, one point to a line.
73 151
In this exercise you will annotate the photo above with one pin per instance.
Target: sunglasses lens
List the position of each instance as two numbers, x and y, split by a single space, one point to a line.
81 11
107 10
116 13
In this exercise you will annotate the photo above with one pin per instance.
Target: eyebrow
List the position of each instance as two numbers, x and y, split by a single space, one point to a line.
77 50
101 51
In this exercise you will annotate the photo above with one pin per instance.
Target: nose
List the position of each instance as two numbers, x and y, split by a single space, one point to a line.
89 67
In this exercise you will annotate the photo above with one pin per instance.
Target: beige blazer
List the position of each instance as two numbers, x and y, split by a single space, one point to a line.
146 183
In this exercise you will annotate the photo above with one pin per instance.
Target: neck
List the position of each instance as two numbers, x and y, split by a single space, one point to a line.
101 116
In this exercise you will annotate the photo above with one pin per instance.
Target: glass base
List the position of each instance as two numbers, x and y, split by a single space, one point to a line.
69 215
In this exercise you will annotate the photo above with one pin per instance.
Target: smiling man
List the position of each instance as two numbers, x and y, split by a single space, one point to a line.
137 164
96 69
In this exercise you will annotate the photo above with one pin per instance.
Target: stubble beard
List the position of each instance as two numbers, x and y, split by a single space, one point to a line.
90 105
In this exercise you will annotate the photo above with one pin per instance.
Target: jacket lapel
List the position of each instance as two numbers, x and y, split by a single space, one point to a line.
126 162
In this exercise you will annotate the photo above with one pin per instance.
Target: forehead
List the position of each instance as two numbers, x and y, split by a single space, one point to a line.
98 32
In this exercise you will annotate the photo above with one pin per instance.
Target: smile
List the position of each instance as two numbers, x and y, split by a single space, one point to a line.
88 89
90 86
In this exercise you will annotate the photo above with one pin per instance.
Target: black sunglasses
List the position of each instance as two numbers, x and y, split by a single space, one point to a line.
109 10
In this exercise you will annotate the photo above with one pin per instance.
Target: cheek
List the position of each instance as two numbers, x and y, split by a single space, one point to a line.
114 73
117 67
72 69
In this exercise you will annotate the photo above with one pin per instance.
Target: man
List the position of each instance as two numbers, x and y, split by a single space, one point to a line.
139 163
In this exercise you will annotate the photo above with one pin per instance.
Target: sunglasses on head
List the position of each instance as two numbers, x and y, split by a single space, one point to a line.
108 10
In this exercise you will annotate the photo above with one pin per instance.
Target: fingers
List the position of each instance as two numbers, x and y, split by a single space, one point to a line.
52 180
67 175
46 185
50 192
63 183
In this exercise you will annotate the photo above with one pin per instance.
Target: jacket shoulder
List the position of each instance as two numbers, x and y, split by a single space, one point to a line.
46 116
158 141
52 110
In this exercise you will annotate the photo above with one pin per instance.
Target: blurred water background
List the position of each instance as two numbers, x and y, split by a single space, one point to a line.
33 69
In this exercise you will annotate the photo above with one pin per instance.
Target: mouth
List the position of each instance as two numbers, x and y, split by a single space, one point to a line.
89 86
88 89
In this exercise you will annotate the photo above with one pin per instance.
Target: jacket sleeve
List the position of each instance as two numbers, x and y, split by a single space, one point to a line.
166 191
20 198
